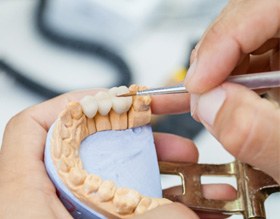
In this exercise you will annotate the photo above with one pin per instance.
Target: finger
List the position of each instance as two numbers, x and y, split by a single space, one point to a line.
231 36
259 63
275 60
170 104
210 191
223 192
174 210
209 215
24 140
219 192
243 66
249 64
268 61
46 113
32 124
268 45
247 127
175 148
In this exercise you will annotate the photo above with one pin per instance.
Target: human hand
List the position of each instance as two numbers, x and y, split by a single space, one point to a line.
243 39
25 188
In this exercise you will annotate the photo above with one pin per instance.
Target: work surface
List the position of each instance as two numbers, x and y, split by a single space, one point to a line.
152 57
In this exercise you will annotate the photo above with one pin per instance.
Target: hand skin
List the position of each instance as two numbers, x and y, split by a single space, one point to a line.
243 39
27 192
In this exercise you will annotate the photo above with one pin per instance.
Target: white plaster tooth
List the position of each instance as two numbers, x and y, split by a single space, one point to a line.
153 204
121 104
89 105
67 150
113 91
77 176
122 90
78 162
64 132
57 150
126 200
163 201
76 153
128 100
92 183
75 110
106 191
64 165
104 101
146 204
143 205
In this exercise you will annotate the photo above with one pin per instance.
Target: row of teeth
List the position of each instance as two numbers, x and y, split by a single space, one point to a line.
96 190
104 101
126 201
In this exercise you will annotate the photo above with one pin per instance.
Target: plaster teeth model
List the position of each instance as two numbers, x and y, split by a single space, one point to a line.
126 200
90 106
147 204
106 191
104 101
113 91
121 104
92 184
99 172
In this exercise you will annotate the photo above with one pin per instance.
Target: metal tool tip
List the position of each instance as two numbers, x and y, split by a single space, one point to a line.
127 94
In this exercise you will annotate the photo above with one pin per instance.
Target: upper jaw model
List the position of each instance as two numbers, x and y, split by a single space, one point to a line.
93 114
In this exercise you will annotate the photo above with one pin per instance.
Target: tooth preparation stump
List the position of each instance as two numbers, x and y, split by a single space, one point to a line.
101 157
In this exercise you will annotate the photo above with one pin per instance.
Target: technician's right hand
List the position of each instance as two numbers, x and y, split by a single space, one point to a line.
244 39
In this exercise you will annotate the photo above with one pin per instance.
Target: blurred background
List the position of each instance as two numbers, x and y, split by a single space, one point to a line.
48 47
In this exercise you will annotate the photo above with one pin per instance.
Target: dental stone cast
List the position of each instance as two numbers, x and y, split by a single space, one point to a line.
126 200
104 102
78 121
90 106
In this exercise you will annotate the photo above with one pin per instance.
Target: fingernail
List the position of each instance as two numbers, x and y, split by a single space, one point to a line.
209 104
190 72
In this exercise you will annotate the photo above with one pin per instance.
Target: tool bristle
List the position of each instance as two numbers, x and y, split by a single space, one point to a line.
127 94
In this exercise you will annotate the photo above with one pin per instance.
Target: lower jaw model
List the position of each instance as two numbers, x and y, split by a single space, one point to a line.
87 193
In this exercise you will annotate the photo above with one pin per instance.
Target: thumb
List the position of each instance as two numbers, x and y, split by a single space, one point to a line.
247 125
241 28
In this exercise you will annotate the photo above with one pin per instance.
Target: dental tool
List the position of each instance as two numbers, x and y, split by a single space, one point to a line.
252 81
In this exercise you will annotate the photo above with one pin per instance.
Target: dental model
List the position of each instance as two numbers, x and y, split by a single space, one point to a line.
101 112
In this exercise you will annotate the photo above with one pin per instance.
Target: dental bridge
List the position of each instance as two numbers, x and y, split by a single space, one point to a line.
106 111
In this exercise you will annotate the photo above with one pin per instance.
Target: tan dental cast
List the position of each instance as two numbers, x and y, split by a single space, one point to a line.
104 111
